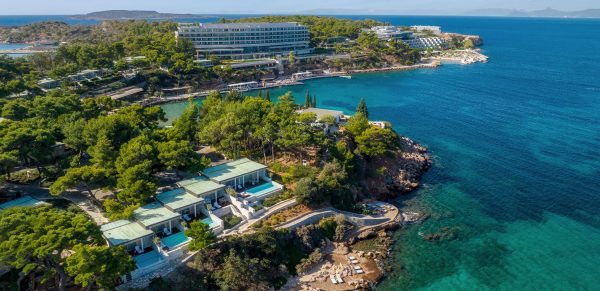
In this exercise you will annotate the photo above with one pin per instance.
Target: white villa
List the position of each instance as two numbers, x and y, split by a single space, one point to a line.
201 198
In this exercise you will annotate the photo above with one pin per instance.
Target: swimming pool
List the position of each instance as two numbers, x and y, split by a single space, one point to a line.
175 240
210 222
264 188
147 259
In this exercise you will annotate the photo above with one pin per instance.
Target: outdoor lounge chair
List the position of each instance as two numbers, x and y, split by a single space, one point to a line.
359 271
339 278
333 279
186 217
354 261
216 205
138 249
357 268
166 231
351 257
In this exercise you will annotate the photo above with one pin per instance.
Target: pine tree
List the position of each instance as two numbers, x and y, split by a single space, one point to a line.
314 101
362 108
259 94
268 96
307 102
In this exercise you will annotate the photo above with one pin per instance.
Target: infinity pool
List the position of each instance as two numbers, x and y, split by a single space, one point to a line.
264 188
175 240
210 222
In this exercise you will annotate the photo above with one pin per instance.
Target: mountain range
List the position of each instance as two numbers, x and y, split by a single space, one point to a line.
132 14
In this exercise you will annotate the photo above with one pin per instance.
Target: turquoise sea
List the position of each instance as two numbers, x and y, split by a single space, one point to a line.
516 144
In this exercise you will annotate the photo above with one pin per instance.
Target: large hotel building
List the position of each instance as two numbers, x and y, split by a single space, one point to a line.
246 40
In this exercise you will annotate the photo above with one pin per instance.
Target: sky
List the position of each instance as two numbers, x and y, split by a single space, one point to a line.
49 7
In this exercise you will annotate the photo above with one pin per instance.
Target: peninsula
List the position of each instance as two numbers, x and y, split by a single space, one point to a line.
245 191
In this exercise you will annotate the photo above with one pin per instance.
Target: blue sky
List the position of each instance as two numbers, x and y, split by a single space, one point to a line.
9 7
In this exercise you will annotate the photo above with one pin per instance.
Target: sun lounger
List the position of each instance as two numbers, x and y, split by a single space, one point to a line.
186 217
359 271
338 278
138 249
354 261
217 206
167 231
357 268
332 278
351 257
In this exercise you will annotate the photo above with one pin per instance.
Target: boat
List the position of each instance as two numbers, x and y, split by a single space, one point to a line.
346 76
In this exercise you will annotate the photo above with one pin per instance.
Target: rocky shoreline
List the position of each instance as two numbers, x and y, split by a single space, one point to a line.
398 173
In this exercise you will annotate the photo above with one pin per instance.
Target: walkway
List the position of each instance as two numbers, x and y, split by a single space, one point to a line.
364 222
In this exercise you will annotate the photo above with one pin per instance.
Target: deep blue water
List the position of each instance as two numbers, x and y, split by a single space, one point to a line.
516 144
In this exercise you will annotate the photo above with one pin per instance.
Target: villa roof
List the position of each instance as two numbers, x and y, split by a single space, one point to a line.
153 213
25 201
232 170
322 112
122 231
200 185
178 198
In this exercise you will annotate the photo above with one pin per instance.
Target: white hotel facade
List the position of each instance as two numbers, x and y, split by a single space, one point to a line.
246 40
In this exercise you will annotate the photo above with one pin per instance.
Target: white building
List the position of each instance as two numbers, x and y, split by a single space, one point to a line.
245 86
434 29
391 32
246 40
426 43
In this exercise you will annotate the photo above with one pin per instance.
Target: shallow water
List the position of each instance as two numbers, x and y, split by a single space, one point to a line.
516 141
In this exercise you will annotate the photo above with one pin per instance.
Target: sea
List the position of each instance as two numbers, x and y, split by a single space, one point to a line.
514 190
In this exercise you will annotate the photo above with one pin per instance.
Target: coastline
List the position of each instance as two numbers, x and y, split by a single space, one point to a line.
371 245
288 81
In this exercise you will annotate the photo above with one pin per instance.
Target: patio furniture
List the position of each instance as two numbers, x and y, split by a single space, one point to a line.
138 250
351 257
339 278
186 218
359 271
216 205
166 231
354 261
333 279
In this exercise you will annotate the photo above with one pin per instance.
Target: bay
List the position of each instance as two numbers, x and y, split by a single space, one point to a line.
516 146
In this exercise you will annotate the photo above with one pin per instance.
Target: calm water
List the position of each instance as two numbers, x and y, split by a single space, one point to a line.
516 142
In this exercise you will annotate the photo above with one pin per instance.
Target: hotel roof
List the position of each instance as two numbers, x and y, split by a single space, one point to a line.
25 201
242 25
123 231
200 185
153 213
232 170
177 199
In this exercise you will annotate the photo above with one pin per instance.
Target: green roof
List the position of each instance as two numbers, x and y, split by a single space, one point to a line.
177 199
123 231
232 170
25 201
200 185
153 213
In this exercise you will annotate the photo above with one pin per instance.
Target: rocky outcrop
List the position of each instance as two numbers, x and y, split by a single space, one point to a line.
398 172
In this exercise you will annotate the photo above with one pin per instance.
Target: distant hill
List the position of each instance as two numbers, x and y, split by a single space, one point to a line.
548 12
132 14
